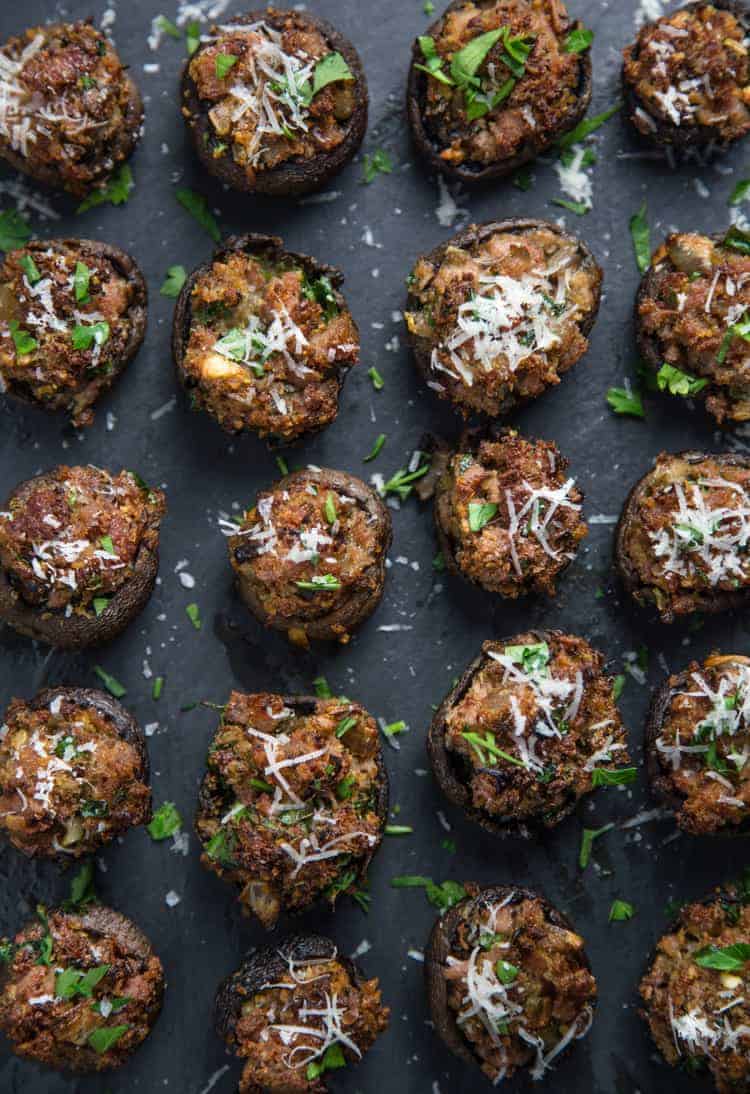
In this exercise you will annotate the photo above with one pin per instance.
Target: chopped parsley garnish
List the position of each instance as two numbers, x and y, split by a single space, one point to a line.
111 683
95 807
438 563
737 240
725 958
620 911
82 890
641 236
81 280
332 1058
14 231
262 785
84 336
197 206
378 163
377 380
578 40
22 340
522 179
345 725
44 945
740 193
158 687
433 65
486 748
622 776
165 822
379 442
107 545
168 27
330 508
442 896
7 951
393 729
345 787
618 685
481 513
580 208
101 603
71 982
740 329
224 62
587 126
533 658
449 845
626 401
677 382
29 267
193 612
192 37
322 688
103 1038
282 465
116 190
398 830
505 972
174 281
587 842
319 583
321 291
402 482
330 70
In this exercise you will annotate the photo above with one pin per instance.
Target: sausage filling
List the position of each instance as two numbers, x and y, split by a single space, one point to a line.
289 805
501 317
267 345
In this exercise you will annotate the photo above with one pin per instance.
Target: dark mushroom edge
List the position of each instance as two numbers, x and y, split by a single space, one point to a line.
294 801
293 167
489 1038
502 369
266 375
522 785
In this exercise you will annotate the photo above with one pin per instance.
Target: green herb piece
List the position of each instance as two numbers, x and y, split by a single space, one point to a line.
322 292
587 843
377 380
101 603
740 329
622 776
379 442
14 231
158 687
484 746
379 163
580 208
737 240
165 822
438 563
7 951
84 336
331 1059
193 612
168 27
620 911
726 958
587 126
626 401
618 685
29 267
81 279
115 191
113 686
282 465
505 972
82 890
262 785
330 508
224 62
740 193
330 70
345 787
197 206
466 61
322 688
433 65
345 725
533 658
95 807
174 281
103 1038
398 830
192 37
522 179
22 340
393 729
641 236
71 982
402 482
578 40
481 513
107 545
45 944
441 896
677 382
319 583
428 7
448 845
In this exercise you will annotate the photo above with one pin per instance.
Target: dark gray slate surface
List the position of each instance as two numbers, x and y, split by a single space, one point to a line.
396 675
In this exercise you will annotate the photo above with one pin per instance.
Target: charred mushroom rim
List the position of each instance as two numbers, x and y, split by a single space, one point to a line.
508 981
72 316
69 111
682 538
79 554
687 77
80 990
528 730
296 1011
275 102
507 516
294 802
693 314
493 83
500 312
696 992
74 773
698 745
263 339
309 556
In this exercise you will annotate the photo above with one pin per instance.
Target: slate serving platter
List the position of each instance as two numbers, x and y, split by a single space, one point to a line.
374 233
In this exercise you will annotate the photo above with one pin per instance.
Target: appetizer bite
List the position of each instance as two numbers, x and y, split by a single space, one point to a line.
687 77
692 318
80 990
497 314
275 102
72 316
697 745
70 112
529 729
309 556
494 83
296 1011
263 339
508 518
509 984
79 554
74 773
682 538
294 802
696 993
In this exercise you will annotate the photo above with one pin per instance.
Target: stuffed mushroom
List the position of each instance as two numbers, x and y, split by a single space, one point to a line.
263 339
682 538
81 990
72 316
74 773
70 113
500 312
309 556
687 77
294 801
296 1011
507 515
508 981
698 742
275 102
696 992
79 554
494 83
529 729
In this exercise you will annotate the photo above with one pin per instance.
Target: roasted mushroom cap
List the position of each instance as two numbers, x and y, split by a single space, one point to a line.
263 339
73 113
43 294
79 824
558 966
72 1024
680 543
553 83
318 153
690 93
99 622
492 361
292 812
579 731
306 596
696 735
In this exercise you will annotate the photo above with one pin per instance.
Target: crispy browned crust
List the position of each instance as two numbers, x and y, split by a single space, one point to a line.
711 603
475 235
439 946
338 624
296 176
475 173
682 140
128 269
79 632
